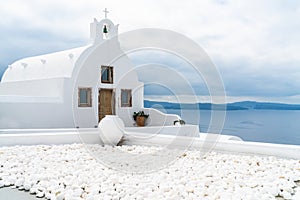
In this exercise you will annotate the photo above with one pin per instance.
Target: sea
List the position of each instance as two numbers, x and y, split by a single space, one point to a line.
269 126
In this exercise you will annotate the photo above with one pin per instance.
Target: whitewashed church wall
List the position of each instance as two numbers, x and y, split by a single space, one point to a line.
37 111
34 88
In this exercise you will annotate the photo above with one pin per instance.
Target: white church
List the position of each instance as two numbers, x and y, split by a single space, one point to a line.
75 88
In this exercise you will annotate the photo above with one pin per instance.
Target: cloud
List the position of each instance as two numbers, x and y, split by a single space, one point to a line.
164 73
33 42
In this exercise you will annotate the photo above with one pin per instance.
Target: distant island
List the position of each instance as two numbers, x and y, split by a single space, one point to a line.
243 105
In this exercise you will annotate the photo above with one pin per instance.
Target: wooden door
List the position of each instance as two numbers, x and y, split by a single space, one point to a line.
105 103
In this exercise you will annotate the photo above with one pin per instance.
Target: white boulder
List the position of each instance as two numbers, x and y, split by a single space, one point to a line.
111 129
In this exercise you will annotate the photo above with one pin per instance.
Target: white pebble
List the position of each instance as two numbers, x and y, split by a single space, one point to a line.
27 186
286 195
21 188
40 194
60 196
48 195
53 197
7 183
19 182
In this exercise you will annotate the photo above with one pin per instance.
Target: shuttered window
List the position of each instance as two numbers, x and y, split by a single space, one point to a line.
84 97
107 74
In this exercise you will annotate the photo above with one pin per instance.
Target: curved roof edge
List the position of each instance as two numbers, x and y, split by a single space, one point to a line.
54 65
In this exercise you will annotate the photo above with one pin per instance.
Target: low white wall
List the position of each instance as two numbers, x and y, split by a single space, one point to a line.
186 130
48 136
156 117
204 143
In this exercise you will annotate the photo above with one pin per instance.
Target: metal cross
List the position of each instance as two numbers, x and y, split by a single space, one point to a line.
105 11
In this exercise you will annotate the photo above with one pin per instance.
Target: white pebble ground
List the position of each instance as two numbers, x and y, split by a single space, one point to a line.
69 172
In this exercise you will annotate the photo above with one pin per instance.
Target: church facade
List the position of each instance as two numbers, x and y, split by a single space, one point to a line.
72 88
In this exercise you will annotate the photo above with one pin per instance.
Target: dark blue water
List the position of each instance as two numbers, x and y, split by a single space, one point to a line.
271 126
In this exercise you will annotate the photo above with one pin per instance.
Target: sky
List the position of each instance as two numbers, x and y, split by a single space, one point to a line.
255 45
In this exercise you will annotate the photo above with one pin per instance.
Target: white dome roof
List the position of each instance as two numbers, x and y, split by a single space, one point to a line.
54 65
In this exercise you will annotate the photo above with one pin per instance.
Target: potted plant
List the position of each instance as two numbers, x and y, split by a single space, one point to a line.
178 122
140 118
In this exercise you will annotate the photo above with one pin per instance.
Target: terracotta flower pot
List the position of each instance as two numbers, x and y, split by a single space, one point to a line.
140 120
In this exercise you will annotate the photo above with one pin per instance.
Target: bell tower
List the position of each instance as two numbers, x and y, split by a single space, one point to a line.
102 30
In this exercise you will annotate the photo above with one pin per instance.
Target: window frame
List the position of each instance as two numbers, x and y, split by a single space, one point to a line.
129 97
89 97
110 70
